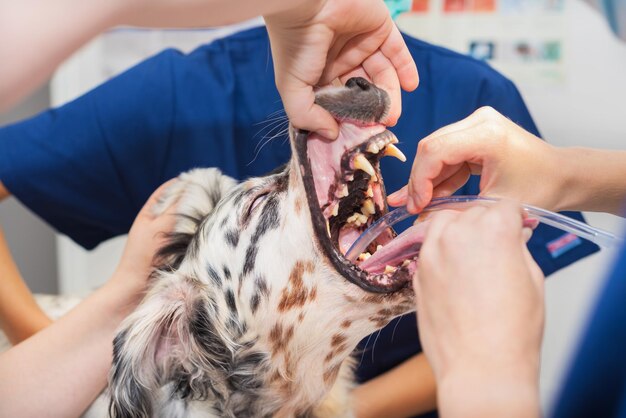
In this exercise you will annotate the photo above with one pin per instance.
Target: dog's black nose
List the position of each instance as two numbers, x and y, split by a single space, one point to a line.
358 82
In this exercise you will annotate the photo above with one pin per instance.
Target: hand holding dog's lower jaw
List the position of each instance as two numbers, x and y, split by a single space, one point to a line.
480 309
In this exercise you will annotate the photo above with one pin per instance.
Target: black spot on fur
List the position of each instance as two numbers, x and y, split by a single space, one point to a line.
232 237
255 300
214 276
226 271
250 260
261 285
230 300
130 399
268 220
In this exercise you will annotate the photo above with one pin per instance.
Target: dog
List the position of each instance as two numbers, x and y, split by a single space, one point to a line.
254 310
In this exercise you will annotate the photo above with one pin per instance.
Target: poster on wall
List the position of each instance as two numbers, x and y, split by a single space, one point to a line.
524 39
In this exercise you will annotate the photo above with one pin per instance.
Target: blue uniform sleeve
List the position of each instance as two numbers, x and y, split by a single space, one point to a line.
67 164
551 248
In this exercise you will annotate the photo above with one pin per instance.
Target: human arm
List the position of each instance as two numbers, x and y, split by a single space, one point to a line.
507 157
4 193
480 312
406 390
20 316
65 365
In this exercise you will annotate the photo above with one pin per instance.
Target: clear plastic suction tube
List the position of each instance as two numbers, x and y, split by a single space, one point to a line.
597 236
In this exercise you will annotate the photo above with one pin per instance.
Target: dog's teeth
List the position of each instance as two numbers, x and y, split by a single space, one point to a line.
393 139
405 263
393 151
335 211
378 247
364 256
368 207
328 228
370 191
390 269
362 163
373 148
342 191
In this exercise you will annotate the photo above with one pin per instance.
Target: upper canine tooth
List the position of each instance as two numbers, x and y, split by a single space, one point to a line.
373 148
393 151
362 163
335 211
369 192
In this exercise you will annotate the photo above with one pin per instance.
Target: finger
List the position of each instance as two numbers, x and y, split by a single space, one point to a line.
453 183
436 152
357 72
384 75
398 198
299 102
395 49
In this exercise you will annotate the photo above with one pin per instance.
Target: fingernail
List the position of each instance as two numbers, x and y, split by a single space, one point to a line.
527 234
328 134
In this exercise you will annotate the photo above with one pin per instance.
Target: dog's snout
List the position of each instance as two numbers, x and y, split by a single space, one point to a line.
359 82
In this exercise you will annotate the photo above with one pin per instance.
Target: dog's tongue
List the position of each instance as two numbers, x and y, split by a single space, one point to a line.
405 246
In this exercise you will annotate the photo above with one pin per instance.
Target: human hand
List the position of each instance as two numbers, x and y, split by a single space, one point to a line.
146 236
320 41
506 156
480 310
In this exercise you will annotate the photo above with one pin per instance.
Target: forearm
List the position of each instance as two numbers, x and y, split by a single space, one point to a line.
592 180
4 192
20 316
407 390
59 371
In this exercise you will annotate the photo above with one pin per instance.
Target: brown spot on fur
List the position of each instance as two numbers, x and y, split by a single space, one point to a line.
298 205
385 312
279 337
329 356
349 299
346 324
313 294
296 294
374 298
331 374
300 316
337 340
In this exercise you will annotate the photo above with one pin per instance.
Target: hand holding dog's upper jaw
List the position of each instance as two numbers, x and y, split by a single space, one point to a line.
480 311
318 42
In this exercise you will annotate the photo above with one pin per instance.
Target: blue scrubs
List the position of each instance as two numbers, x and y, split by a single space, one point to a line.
88 166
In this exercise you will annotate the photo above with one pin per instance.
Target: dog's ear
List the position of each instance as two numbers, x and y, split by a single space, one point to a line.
194 196
172 339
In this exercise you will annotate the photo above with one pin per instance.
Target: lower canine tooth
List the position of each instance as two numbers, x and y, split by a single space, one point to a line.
335 210
405 263
370 191
393 151
362 163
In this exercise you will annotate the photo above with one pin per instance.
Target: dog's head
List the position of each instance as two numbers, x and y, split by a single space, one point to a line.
255 308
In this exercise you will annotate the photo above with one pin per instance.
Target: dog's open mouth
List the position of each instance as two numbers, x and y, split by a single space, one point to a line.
346 194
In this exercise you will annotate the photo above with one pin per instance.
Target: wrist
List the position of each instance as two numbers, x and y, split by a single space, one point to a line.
485 393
